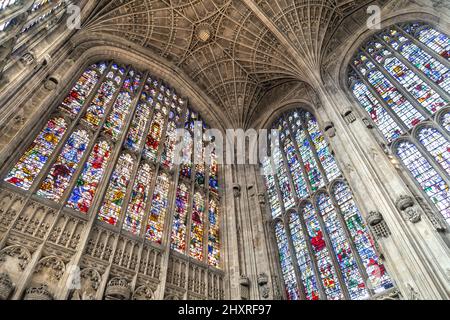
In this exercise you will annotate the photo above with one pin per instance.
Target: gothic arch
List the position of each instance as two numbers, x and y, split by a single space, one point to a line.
90 48
325 246
361 36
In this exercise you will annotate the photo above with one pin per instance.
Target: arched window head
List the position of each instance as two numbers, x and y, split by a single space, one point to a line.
326 251
401 78
109 150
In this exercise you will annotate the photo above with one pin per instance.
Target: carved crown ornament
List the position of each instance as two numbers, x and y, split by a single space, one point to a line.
405 204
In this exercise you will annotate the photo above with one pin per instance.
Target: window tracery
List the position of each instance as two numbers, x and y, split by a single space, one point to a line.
401 78
326 252
117 128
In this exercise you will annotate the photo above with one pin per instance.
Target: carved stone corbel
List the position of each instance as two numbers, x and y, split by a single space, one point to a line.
262 199
236 190
406 206
412 293
263 280
378 226
244 284
330 130
349 116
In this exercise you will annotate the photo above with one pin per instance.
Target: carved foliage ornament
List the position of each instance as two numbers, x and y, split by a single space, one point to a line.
118 289
6 286
18 252
38 293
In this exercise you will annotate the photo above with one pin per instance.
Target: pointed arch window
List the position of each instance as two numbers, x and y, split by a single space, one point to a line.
108 150
401 78
325 249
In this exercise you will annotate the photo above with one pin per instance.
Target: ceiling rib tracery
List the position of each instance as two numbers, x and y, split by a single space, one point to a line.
224 46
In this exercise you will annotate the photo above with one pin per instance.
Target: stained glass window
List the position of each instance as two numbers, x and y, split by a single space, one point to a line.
76 99
158 209
109 149
345 257
111 208
139 199
304 261
62 170
401 78
213 236
198 211
178 238
33 160
287 268
426 176
84 191
364 244
324 228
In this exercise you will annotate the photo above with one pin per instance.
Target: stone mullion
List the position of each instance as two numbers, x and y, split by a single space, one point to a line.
438 124
360 264
331 252
206 227
171 198
75 123
404 92
99 196
189 215
158 167
121 141
423 46
306 236
441 92
283 213
152 165
424 152
293 255
302 221
288 230
94 132
96 137
62 142
165 241
300 159
382 103
191 198
314 152
435 164
312 256
270 243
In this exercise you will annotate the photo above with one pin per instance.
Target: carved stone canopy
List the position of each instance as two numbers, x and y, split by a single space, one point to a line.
118 289
38 293
6 286
236 190
244 281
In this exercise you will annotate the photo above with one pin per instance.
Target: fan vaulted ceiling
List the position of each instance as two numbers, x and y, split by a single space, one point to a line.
235 50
